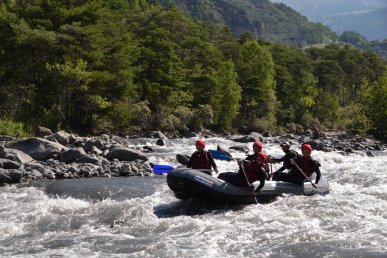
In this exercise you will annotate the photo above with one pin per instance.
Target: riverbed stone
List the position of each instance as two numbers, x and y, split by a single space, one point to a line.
14 155
88 159
42 131
126 154
5 178
252 137
182 159
71 155
39 149
9 164
61 137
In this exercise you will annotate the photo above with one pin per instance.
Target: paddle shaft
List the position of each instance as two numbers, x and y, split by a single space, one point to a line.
247 180
307 178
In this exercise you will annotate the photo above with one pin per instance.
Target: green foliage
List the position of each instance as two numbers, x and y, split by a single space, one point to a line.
256 77
11 128
295 84
375 107
128 66
354 38
229 102
263 19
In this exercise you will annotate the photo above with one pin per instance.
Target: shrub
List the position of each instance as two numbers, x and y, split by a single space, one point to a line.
11 128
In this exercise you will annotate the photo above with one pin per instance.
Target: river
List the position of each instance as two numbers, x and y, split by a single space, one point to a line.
140 217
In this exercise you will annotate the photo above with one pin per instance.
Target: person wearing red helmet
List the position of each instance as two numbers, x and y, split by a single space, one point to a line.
248 173
257 148
303 168
202 159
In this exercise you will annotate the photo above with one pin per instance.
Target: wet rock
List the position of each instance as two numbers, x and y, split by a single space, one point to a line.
48 173
15 175
308 132
61 137
126 154
182 159
252 137
36 174
9 164
39 149
71 155
41 131
88 159
5 178
125 169
240 148
222 149
14 155
163 140
190 134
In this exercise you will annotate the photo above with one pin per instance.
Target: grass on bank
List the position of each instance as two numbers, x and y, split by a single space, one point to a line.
11 128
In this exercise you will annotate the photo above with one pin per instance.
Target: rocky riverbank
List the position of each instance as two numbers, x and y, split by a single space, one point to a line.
65 156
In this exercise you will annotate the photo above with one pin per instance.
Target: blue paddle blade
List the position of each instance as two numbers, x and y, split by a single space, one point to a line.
161 169
220 155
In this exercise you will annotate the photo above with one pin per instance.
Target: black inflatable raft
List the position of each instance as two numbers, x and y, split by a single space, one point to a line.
188 183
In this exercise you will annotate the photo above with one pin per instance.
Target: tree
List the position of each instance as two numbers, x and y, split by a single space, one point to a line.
256 78
295 84
231 96
375 106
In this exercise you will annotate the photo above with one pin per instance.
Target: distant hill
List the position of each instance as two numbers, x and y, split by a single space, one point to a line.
367 17
264 19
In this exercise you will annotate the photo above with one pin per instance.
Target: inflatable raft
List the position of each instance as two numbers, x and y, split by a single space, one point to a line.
188 183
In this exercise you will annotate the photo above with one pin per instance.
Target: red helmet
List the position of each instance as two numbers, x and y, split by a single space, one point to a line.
201 143
259 144
307 147
262 155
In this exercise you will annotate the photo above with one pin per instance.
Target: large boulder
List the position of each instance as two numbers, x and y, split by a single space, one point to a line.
126 154
9 164
39 149
61 137
9 177
5 178
71 154
252 137
182 159
14 155
41 131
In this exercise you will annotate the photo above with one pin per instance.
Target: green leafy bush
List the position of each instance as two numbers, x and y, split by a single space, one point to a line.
11 128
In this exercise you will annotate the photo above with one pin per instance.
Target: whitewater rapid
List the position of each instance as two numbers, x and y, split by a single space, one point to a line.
140 217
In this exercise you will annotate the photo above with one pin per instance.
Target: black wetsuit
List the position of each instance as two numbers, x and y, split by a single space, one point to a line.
290 154
308 167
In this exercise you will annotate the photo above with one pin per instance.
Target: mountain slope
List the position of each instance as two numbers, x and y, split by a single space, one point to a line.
266 20
367 17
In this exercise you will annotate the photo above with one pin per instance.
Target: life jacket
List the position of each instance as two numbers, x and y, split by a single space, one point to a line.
265 165
308 165
201 160
251 170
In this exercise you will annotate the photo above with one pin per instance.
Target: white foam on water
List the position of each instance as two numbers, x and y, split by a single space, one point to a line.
349 222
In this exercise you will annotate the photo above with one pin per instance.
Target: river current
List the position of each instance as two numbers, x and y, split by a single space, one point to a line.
140 217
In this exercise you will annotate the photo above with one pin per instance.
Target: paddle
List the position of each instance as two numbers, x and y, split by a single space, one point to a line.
307 178
247 180
162 169
220 155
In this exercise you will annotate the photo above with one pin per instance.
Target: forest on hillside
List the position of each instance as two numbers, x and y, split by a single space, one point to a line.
129 66
263 19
